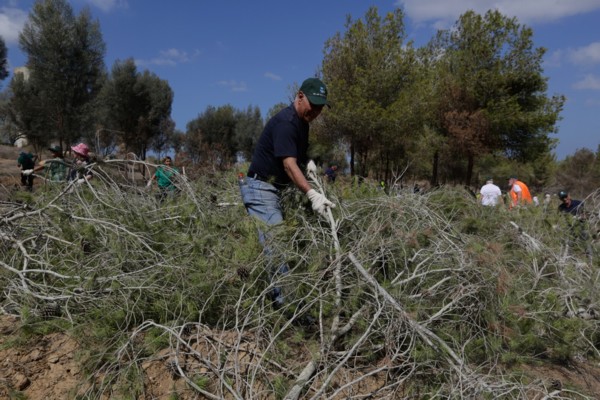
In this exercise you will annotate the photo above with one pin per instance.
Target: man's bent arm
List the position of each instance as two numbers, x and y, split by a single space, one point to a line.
293 171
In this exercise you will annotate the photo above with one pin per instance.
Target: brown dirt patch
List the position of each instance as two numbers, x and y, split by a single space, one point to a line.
49 369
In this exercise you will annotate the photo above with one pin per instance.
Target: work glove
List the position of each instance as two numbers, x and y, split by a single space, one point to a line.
319 202
80 181
27 172
149 183
311 167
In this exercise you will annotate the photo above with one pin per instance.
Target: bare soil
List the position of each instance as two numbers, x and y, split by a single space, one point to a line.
49 370
10 175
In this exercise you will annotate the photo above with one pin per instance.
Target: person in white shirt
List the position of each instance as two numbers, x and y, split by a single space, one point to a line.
490 193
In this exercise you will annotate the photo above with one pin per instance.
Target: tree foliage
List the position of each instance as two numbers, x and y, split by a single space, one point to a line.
491 91
579 173
367 70
65 60
220 135
137 106
3 60
476 89
248 127
25 110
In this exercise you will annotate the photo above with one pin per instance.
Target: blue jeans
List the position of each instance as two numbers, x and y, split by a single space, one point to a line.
262 200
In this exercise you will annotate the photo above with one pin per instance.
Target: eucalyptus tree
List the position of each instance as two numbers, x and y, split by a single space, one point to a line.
367 70
136 106
65 59
491 90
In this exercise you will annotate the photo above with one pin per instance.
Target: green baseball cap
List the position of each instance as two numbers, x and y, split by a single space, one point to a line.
316 91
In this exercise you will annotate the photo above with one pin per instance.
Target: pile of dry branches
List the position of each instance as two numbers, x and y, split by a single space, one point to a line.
416 295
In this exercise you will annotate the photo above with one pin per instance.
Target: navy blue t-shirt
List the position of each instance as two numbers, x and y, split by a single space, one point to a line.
576 207
285 135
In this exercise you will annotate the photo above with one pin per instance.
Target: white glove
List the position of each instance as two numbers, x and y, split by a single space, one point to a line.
149 183
311 167
319 202
27 172
80 181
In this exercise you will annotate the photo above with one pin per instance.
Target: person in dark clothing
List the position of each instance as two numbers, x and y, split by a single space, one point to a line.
27 162
578 224
276 164
331 173
569 205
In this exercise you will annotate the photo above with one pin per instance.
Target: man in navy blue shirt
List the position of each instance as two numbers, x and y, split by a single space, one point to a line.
569 205
276 164
579 231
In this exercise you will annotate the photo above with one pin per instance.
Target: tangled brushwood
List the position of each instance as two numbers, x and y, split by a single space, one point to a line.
416 295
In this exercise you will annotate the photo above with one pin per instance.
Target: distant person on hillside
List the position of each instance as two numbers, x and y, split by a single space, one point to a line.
80 171
27 162
578 225
55 168
519 192
165 176
276 164
331 173
490 193
547 200
569 205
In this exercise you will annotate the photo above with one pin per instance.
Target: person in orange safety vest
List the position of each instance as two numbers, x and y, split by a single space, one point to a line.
519 192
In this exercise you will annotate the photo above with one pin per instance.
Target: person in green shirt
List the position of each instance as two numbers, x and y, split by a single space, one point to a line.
165 177
55 168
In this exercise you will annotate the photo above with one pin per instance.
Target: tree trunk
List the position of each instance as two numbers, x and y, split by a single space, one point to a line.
434 172
352 151
470 163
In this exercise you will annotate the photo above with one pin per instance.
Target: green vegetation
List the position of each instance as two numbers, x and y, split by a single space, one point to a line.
422 285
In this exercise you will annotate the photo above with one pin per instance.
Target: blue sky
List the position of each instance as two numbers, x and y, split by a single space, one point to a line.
244 53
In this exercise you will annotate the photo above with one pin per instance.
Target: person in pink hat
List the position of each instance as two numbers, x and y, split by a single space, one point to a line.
80 170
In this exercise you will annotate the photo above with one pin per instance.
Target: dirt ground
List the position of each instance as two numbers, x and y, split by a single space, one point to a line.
10 173
50 370
10 177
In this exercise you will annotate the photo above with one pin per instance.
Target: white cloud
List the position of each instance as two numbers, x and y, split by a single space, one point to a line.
446 12
170 57
588 55
590 82
12 21
272 76
234 86
108 5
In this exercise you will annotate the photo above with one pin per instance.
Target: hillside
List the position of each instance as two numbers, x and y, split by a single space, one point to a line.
107 293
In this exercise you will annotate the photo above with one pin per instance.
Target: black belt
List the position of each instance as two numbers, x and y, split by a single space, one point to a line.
254 175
